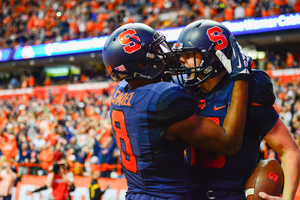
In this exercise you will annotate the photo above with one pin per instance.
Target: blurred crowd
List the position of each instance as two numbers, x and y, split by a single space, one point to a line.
28 22
36 131
287 104
74 129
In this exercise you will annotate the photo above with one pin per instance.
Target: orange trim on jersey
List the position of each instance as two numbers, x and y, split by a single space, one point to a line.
256 104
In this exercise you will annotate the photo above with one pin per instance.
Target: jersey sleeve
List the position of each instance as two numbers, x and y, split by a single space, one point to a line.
174 105
264 118
261 89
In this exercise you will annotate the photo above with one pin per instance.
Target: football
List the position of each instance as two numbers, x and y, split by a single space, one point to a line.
267 177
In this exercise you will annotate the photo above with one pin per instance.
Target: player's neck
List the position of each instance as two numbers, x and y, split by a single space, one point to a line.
208 85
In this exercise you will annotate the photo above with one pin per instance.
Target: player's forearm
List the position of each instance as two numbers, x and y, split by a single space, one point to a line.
40 189
290 163
234 122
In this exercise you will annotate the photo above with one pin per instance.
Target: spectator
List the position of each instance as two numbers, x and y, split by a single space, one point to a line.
57 179
290 60
239 12
297 6
82 154
70 176
34 159
286 115
8 146
24 157
94 188
27 24
105 156
72 146
14 83
7 180
38 141
57 152
46 158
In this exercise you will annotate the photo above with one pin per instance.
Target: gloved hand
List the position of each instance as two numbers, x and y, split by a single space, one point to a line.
239 66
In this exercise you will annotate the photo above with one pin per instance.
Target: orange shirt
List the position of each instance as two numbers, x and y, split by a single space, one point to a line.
31 81
290 60
297 6
9 147
60 189
228 13
46 156
249 11
9 150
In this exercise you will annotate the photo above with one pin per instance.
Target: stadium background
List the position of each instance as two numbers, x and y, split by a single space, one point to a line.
43 99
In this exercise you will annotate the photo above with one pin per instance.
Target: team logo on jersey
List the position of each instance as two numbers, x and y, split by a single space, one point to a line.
202 104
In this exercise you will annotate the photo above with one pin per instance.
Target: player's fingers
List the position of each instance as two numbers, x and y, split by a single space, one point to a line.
222 57
262 195
236 48
233 41
268 197
224 60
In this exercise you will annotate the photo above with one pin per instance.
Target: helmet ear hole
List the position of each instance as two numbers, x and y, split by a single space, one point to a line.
142 65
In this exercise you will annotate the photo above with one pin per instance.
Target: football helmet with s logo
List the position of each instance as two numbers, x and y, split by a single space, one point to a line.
135 51
204 37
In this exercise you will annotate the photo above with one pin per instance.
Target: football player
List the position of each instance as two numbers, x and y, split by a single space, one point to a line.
154 120
217 176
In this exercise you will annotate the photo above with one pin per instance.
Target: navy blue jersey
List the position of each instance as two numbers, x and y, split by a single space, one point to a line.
153 166
210 171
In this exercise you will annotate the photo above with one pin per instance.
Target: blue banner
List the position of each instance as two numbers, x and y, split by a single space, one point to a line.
237 27
5 54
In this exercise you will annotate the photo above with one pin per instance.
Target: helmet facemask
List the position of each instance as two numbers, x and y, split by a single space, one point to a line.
190 77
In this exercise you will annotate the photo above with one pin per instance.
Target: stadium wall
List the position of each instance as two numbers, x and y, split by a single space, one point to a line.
116 191
98 87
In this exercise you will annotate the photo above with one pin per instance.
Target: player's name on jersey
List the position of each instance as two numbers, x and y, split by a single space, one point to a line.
122 99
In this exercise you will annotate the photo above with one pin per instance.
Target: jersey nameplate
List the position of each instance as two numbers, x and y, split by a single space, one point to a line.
122 99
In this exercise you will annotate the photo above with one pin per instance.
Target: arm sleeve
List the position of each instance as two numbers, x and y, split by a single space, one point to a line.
174 105
40 189
261 89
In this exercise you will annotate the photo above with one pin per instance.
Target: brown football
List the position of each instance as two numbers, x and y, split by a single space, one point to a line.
267 177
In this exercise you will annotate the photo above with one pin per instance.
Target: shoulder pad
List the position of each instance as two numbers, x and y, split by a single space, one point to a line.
261 89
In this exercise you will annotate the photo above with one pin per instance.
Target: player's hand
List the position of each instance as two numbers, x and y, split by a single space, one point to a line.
239 66
29 193
268 197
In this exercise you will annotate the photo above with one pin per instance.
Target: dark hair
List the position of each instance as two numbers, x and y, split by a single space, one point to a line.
56 168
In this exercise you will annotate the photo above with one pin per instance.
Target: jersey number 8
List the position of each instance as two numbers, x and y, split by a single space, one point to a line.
119 126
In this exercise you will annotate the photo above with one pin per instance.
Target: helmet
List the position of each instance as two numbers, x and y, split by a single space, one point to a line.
204 37
135 51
